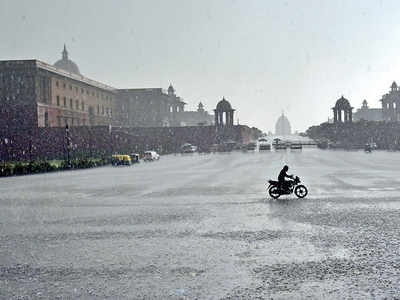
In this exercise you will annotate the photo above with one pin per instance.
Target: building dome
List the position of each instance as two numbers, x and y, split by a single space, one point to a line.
223 105
171 90
67 64
342 102
364 104
200 107
282 126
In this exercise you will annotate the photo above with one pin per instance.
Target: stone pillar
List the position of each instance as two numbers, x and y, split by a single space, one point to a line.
335 119
227 119
346 114
350 116
216 118
340 115
232 118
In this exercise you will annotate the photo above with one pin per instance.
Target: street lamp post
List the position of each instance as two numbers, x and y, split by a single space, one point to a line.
68 142
5 158
6 140
30 151
90 146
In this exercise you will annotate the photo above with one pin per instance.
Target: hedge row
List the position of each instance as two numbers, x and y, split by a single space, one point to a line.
36 167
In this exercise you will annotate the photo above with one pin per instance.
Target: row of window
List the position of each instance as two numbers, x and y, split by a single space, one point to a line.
107 111
96 94
81 106
71 103
7 79
70 122
387 105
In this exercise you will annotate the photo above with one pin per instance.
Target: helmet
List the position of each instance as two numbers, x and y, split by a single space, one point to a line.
286 168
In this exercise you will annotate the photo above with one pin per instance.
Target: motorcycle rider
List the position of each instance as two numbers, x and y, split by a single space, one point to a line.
281 178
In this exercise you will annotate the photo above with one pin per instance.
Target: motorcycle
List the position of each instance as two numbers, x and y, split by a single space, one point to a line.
275 190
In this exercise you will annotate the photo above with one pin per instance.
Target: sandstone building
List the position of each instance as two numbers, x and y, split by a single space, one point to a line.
367 113
36 94
200 117
152 107
390 110
155 107
391 104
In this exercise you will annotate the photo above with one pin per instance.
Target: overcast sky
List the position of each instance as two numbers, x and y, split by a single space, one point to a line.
263 56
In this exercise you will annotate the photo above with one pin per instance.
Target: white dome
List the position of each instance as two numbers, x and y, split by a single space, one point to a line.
282 126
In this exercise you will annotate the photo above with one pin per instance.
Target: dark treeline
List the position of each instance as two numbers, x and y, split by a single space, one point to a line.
102 141
386 135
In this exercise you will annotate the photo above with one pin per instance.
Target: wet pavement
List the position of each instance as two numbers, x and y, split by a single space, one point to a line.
203 227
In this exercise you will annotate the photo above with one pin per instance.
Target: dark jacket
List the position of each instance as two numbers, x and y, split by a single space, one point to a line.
283 175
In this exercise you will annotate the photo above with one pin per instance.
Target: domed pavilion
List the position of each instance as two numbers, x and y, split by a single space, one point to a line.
223 114
343 109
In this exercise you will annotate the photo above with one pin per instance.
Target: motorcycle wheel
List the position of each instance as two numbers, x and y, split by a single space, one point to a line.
274 192
301 191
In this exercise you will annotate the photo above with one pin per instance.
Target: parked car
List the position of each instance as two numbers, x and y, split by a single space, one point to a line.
121 160
135 158
251 146
151 156
264 146
188 148
296 146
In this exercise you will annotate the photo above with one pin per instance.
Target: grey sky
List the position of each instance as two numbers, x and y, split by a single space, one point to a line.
263 56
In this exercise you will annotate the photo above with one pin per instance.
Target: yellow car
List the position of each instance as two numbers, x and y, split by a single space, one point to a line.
119 159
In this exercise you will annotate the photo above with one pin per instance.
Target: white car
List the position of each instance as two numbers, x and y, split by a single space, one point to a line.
151 155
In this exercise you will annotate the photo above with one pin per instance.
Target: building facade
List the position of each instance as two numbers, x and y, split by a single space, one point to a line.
151 107
391 104
36 94
368 114
389 111
195 118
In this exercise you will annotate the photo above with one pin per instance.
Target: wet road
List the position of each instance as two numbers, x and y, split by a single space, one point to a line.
203 227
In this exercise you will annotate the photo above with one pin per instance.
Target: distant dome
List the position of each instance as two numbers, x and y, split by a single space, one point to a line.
171 90
282 126
200 107
364 104
67 64
223 105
